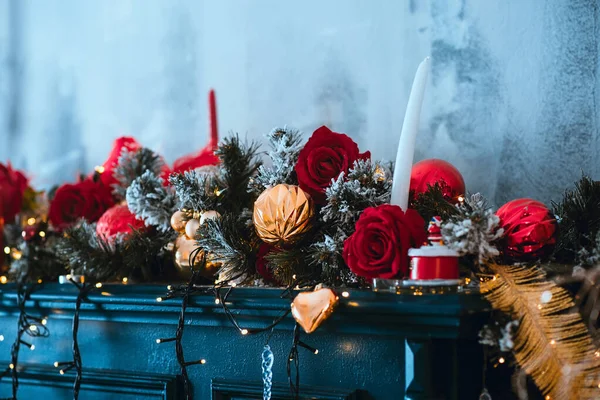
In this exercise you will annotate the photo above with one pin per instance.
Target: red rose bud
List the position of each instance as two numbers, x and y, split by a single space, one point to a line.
71 202
117 220
379 246
323 158
12 188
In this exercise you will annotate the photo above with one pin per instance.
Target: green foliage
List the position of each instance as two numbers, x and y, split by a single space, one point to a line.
286 144
132 164
151 202
239 163
233 243
139 255
432 203
578 215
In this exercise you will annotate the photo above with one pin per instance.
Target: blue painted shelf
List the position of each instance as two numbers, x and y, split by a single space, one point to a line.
375 346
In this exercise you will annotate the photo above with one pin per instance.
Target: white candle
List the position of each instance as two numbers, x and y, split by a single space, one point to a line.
406 147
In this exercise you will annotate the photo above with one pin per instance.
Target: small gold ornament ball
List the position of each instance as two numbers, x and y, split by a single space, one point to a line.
178 221
184 248
282 214
191 227
208 215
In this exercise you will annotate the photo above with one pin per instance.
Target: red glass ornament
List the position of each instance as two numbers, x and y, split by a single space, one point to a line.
429 172
529 229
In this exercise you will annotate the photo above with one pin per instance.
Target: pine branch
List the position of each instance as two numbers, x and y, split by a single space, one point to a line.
151 202
196 191
88 255
132 164
432 203
473 230
233 243
578 216
286 144
239 163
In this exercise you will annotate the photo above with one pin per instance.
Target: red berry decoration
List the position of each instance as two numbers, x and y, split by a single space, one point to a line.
429 172
529 229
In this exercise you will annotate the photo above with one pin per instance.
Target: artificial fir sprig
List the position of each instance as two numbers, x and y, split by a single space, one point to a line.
151 201
473 230
432 203
286 144
578 216
132 164
140 255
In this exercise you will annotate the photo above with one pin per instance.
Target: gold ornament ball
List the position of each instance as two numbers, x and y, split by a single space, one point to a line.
208 215
191 227
282 214
178 221
184 248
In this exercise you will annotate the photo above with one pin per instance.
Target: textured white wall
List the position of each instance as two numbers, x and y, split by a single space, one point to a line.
512 99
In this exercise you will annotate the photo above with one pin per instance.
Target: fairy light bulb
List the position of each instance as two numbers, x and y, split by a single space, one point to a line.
3 279
98 285
345 294
244 331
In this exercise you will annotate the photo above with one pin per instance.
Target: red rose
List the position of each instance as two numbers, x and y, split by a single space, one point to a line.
379 246
113 158
323 158
71 202
12 188
115 220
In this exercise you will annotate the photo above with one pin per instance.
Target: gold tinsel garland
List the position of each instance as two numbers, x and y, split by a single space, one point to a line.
552 344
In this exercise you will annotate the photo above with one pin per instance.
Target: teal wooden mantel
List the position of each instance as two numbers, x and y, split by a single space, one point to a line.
375 346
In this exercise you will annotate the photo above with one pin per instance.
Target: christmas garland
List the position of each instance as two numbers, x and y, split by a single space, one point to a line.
317 217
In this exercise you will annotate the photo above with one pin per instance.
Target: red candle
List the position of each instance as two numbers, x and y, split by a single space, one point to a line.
212 113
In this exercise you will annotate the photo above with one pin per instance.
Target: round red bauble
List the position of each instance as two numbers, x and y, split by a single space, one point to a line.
116 220
529 229
429 172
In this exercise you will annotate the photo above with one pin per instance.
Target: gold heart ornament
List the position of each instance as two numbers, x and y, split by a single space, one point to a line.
310 309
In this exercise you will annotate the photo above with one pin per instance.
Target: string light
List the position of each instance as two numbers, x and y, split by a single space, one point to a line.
44 321
169 287
125 280
31 221
345 294
244 331
3 279
98 285
217 301
7 250
461 199
501 360
42 234
159 299
33 327
11 366
159 341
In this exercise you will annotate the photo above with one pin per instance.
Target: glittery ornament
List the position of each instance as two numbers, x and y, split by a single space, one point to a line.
429 172
311 309
529 229
282 214
191 227
178 221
